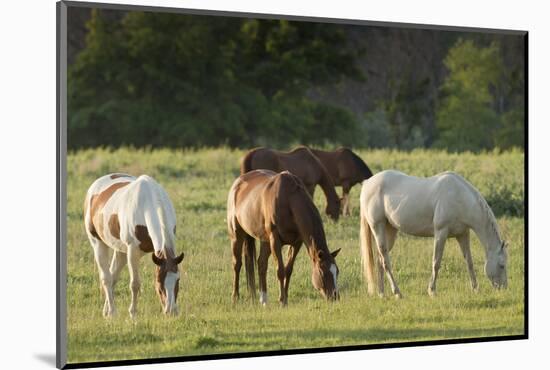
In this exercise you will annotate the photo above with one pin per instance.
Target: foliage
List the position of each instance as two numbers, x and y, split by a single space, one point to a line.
175 80
378 130
197 182
178 80
471 116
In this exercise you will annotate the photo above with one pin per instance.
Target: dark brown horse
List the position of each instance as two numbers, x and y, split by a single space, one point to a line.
346 169
300 162
277 210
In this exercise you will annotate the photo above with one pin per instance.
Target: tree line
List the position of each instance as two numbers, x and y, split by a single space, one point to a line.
174 80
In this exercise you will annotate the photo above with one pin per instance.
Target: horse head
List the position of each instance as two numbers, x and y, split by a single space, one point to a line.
333 209
167 279
495 267
325 274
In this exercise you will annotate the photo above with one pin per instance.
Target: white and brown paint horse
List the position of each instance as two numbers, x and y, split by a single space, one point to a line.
443 206
133 217
276 209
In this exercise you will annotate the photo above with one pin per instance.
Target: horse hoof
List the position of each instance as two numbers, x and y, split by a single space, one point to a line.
398 296
263 298
109 314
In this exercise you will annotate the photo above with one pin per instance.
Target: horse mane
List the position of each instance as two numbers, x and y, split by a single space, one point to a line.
361 165
312 231
160 201
289 178
491 219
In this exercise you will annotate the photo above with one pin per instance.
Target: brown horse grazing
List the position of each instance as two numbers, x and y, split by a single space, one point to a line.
346 169
277 210
302 163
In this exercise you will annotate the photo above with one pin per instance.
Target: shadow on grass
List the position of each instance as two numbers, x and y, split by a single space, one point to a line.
278 339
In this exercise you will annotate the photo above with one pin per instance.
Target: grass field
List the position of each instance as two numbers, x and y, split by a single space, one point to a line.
198 182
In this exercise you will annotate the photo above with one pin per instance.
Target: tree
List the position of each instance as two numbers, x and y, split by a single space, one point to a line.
181 80
467 118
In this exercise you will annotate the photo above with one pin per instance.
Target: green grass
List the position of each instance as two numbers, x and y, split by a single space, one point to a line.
198 181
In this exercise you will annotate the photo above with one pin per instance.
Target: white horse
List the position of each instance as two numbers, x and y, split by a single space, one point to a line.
132 216
442 206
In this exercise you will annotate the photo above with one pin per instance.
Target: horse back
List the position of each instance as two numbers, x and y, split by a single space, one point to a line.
300 161
260 158
244 203
259 203
304 164
332 161
125 210
417 205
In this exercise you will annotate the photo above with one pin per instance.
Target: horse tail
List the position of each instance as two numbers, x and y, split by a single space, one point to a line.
249 252
367 258
246 163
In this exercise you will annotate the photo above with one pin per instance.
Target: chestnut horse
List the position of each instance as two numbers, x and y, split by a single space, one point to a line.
277 210
133 217
302 163
346 169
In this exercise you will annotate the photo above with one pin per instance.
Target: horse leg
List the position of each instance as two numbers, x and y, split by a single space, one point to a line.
101 254
464 242
391 235
346 209
292 253
236 248
440 236
275 246
117 264
262 271
379 231
134 256
381 287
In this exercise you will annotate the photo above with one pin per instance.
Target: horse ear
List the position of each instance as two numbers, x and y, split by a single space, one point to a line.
179 258
335 253
156 260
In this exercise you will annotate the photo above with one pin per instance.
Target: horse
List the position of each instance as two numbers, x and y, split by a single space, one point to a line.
133 217
302 163
276 209
443 206
346 169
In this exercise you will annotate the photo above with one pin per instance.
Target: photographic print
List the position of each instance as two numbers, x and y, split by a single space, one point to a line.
248 184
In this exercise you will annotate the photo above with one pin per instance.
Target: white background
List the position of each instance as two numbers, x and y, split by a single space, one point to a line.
27 193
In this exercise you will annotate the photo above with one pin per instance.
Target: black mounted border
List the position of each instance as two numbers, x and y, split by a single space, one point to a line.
61 190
